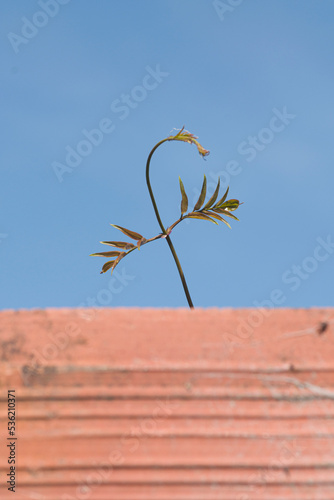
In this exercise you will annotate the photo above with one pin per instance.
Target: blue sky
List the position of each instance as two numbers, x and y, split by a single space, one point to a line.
253 80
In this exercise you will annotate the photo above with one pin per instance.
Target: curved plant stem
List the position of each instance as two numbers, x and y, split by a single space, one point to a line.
169 241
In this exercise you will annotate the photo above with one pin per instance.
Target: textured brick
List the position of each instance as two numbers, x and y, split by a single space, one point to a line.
158 404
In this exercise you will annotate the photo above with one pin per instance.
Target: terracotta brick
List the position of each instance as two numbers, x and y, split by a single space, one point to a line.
158 404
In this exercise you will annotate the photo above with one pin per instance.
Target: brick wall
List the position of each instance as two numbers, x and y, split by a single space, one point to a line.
130 404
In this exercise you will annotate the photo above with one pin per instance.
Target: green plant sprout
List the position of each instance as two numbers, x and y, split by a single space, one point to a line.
210 211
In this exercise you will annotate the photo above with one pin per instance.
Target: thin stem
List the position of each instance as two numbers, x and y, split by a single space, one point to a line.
178 264
169 241
170 228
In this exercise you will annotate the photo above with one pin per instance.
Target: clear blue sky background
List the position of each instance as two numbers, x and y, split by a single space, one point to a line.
225 71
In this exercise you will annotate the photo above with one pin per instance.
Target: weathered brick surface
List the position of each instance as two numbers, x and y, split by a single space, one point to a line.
158 404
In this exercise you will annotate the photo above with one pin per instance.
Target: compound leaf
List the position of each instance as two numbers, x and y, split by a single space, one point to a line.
107 266
185 136
119 244
222 199
106 254
201 198
200 215
184 201
230 205
213 197
216 216
131 234
226 213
